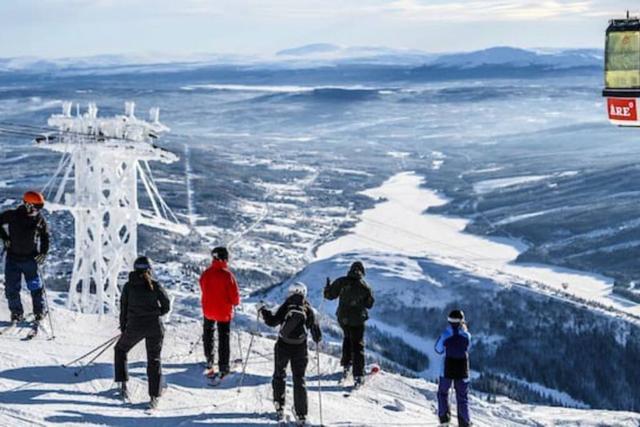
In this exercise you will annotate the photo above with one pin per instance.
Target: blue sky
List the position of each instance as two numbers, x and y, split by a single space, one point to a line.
61 28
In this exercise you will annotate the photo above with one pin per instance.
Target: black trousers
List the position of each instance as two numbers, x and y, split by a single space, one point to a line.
353 349
208 329
298 355
153 335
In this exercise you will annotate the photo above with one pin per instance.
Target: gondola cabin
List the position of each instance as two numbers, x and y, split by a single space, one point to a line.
622 71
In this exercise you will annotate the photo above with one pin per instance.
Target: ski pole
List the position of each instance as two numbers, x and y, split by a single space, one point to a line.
239 345
319 386
246 360
46 302
194 345
318 362
109 341
106 347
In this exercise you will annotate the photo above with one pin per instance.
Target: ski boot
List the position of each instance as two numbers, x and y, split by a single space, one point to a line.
444 421
39 317
301 420
280 418
209 364
153 403
17 317
123 392
358 382
345 374
223 373
209 370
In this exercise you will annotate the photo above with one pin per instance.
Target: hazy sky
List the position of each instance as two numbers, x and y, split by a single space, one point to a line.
59 28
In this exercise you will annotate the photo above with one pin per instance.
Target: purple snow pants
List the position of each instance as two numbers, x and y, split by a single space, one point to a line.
462 399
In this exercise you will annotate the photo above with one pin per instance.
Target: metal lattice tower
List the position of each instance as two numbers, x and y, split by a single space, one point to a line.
106 158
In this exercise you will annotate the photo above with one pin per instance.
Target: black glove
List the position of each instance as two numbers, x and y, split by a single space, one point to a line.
262 310
40 258
326 288
316 334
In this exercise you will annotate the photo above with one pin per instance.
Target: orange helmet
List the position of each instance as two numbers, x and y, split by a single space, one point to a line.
33 198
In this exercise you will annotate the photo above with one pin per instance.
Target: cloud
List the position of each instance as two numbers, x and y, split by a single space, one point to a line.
489 10
408 10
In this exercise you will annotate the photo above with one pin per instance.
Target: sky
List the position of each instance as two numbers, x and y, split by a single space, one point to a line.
73 28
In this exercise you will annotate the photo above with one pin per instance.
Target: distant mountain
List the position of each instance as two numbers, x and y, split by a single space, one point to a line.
511 56
310 49
366 63
325 53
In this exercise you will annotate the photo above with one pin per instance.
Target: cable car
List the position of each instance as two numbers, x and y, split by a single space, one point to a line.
622 71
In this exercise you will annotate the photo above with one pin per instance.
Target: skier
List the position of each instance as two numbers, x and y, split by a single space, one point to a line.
296 318
454 344
356 298
142 303
26 226
219 296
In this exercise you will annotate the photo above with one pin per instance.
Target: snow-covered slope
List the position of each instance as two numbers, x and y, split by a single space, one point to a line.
35 390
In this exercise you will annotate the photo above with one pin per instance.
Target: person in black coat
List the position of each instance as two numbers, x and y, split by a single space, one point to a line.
142 303
296 318
26 243
356 298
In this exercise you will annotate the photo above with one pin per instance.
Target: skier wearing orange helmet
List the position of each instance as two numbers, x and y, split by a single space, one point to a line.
25 236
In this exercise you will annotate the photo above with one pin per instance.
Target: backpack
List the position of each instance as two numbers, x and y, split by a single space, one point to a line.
294 327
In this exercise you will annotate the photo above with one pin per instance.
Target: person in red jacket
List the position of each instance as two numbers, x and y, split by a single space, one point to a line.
219 296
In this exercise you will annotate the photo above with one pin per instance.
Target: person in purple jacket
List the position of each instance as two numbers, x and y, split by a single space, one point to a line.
454 344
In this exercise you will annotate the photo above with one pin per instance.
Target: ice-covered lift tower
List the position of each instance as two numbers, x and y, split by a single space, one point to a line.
106 158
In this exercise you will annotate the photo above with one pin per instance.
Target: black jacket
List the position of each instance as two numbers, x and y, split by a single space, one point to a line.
294 301
356 298
141 306
24 233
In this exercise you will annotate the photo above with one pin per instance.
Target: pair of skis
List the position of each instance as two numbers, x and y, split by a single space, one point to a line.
287 419
370 371
33 325
216 377
125 398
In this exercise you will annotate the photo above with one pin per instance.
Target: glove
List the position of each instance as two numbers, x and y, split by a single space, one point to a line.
40 258
6 244
326 288
123 327
261 310
316 334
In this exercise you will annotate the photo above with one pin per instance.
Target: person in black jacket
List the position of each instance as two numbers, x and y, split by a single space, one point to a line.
296 318
356 298
26 227
142 303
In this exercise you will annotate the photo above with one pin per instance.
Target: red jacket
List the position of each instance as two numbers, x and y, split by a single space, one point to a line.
219 292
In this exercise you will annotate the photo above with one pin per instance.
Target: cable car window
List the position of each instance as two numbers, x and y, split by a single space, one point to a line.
622 67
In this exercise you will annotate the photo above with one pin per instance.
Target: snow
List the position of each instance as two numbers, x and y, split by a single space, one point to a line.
270 88
437 164
490 185
442 239
398 154
13 159
485 170
36 391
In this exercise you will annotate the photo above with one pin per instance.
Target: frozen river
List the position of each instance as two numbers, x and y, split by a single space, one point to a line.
399 224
